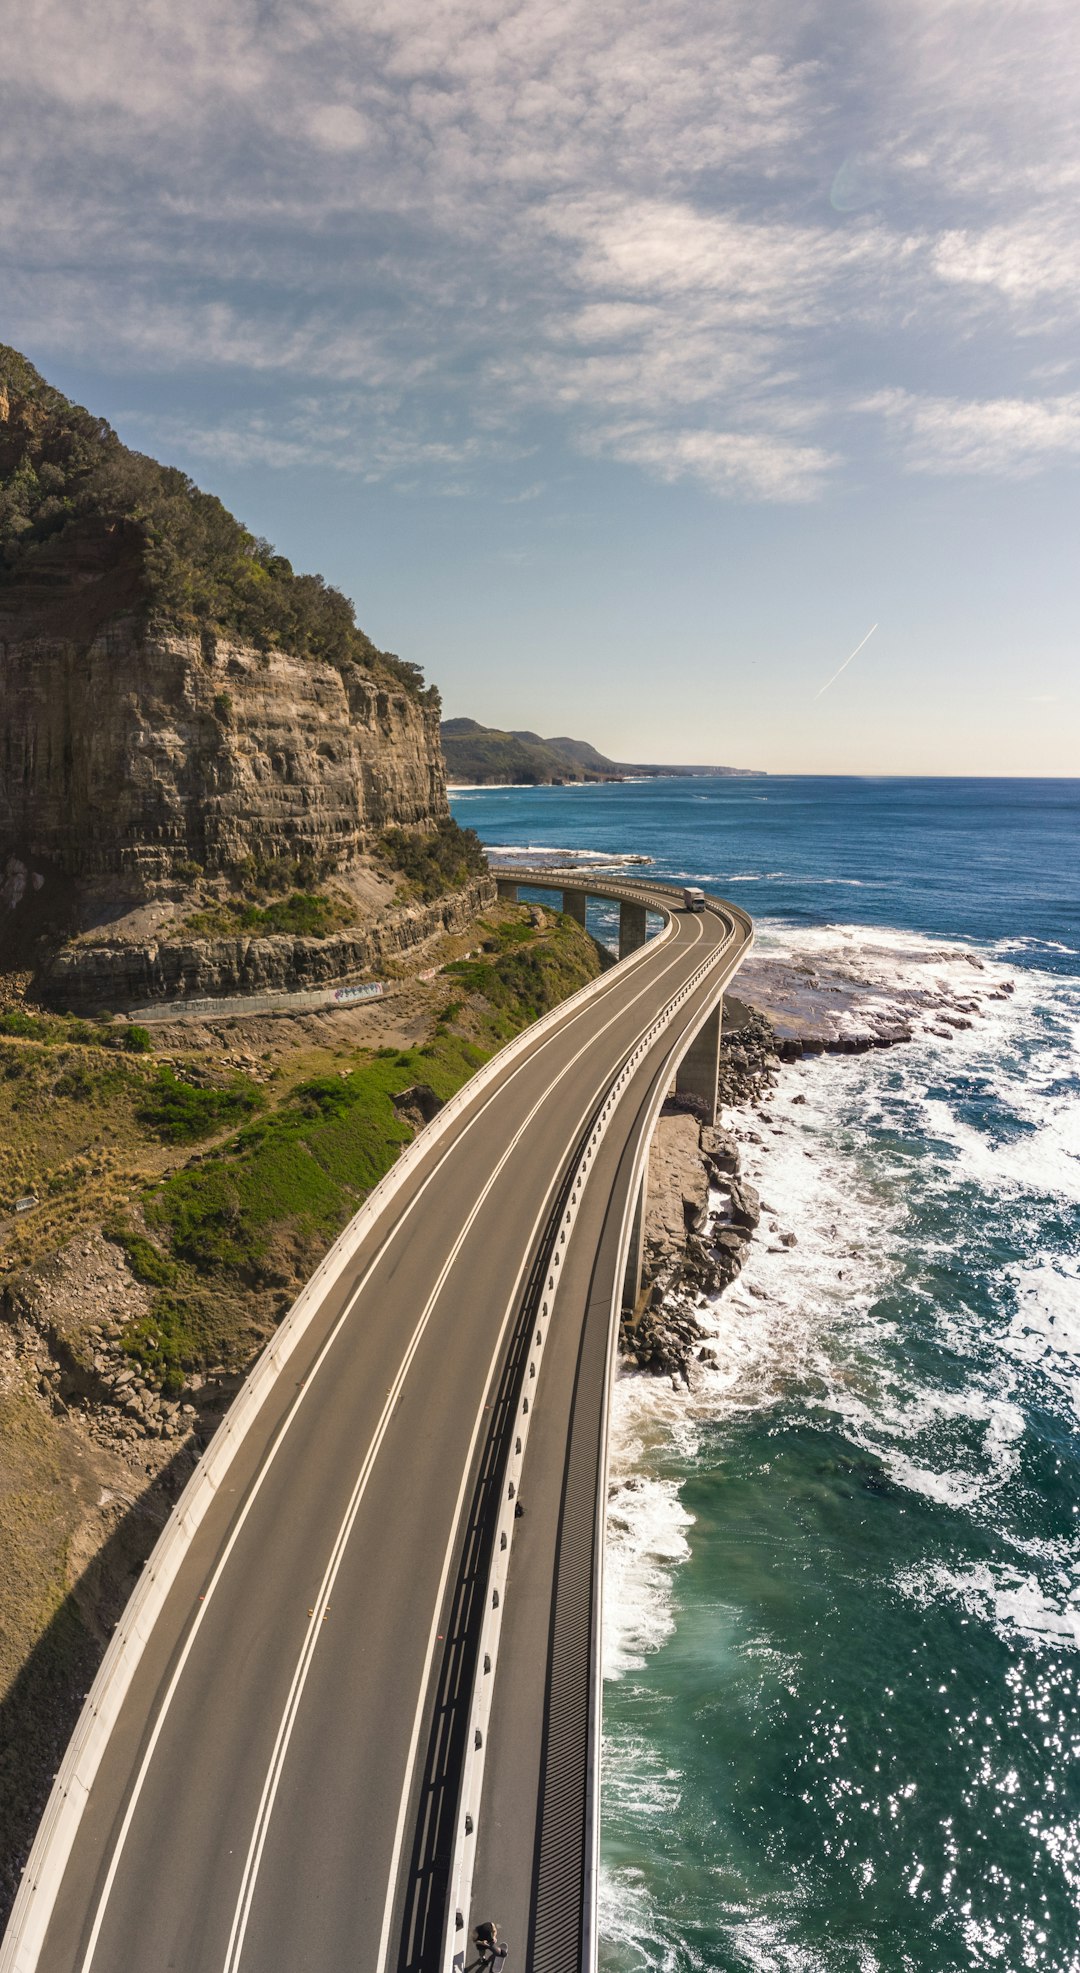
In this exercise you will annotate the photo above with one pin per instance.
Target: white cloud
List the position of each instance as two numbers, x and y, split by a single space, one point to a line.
338 127
1010 436
751 465
614 219
1033 263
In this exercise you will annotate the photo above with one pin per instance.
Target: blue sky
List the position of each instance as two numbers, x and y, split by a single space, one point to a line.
624 362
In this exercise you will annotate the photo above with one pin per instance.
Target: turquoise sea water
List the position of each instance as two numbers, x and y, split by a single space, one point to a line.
842 1719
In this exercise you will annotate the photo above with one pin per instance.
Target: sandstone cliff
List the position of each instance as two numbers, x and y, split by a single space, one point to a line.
184 720
146 750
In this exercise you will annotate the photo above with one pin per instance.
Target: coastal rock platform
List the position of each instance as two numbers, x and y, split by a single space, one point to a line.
843 998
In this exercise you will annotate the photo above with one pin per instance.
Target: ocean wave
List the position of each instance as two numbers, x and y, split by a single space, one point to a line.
1016 1605
590 857
1045 1330
646 1541
820 1314
1033 945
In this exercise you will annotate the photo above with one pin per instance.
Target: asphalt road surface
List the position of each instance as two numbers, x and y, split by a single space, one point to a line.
264 1802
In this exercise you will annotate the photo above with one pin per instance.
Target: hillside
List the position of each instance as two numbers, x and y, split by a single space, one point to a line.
81 512
214 781
488 755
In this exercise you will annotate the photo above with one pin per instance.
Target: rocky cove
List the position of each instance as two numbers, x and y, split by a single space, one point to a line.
701 1212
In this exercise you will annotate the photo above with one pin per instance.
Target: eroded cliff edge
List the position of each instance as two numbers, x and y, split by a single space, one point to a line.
191 734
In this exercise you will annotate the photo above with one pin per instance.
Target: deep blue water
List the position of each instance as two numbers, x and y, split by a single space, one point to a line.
961 859
842 1720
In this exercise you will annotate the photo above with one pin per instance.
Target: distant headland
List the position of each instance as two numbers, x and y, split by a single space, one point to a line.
487 756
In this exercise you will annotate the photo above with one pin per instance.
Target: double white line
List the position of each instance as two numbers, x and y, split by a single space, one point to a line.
285 1729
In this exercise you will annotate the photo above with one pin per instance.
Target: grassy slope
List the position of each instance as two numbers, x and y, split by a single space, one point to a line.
234 1228
221 1224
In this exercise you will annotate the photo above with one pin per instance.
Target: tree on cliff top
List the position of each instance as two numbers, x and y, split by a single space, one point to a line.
63 472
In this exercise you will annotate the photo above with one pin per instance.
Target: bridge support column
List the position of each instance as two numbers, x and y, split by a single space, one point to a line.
575 904
633 929
506 889
697 1072
635 1253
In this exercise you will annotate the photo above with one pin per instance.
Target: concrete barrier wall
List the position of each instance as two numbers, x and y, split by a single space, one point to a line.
25 1934
456 1944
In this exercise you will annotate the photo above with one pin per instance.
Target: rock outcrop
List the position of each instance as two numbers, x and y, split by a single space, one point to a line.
700 1214
183 719
97 973
146 751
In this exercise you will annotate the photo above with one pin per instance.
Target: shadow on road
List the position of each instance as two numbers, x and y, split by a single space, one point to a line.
39 1711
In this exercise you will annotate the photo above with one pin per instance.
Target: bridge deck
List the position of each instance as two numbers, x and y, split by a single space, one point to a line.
265 1800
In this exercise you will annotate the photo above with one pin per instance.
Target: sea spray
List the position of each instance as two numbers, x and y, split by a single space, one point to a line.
842 1730
843 1618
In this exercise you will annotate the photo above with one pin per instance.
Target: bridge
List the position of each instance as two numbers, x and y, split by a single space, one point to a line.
354 1704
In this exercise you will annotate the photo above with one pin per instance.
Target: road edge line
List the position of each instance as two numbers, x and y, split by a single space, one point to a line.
50 1851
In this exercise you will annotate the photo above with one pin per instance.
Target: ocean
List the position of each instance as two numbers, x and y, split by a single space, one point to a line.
842 1708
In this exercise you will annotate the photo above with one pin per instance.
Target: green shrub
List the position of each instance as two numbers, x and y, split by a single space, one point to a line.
65 471
439 862
147 1263
303 915
27 1026
175 1336
182 1112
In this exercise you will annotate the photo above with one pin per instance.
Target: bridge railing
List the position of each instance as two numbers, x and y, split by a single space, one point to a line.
51 1849
502 1535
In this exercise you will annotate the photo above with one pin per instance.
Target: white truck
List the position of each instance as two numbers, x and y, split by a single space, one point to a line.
693 899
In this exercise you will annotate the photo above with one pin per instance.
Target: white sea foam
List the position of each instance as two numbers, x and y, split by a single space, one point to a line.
1032 945
1017 1605
592 857
812 1315
1046 1328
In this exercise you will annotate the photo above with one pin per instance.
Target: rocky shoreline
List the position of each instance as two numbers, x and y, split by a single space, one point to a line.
701 1214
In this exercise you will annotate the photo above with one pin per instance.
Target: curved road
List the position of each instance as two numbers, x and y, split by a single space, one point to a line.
279 1792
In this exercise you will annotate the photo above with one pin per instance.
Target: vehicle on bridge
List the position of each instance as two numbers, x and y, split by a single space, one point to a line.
693 898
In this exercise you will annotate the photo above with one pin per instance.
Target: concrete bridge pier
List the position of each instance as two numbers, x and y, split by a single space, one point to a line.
575 905
506 889
697 1073
635 1253
633 927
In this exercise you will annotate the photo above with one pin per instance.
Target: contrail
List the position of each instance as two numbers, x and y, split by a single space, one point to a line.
847 661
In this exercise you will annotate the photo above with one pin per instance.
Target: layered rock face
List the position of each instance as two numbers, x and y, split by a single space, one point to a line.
149 750
186 723
87 977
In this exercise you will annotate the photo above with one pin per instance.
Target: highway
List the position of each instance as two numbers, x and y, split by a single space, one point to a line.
281 1787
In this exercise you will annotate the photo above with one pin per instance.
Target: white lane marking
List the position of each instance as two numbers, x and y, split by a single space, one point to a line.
263 1473
403 1806
289 1717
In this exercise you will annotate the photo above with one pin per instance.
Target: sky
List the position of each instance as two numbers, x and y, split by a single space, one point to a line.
623 362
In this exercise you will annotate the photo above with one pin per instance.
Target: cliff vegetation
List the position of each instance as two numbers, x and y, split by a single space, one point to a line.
65 476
